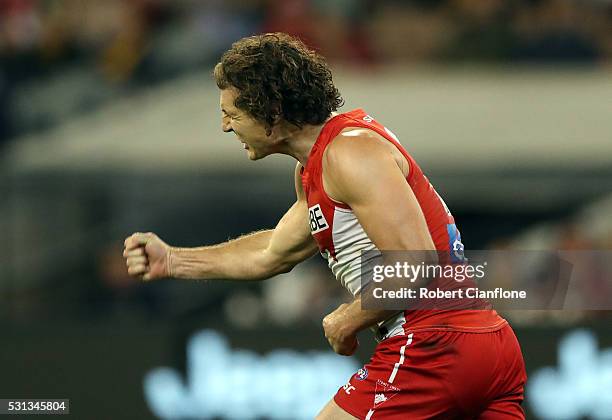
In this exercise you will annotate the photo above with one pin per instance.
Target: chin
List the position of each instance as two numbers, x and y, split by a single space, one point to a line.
253 155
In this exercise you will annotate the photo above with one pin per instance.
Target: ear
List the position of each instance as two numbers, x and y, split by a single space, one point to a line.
275 108
275 121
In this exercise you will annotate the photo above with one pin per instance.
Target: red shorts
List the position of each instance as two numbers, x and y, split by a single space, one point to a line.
440 375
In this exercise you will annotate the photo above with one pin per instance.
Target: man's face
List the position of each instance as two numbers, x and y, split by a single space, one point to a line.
251 133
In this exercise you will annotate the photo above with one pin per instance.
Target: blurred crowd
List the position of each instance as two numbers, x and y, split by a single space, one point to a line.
130 42
117 33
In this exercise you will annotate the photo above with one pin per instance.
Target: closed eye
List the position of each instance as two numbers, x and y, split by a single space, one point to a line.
226 114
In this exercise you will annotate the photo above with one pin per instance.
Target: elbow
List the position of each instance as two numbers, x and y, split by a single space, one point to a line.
285 268
272 264
268 268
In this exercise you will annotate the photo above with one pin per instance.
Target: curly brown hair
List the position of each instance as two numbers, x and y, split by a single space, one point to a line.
277 76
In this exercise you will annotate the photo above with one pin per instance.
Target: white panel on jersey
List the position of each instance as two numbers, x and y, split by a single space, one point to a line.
349 240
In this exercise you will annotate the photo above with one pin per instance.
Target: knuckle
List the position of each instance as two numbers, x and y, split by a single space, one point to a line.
135 253
327 322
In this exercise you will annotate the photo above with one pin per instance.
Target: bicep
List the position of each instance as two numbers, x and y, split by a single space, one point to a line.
291 241
392 216
368 179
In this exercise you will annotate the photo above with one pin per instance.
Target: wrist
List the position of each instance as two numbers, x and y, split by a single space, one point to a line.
169 262
180 264
188 263
350 325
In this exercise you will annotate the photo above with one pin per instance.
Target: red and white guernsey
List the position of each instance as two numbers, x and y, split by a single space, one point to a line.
342 239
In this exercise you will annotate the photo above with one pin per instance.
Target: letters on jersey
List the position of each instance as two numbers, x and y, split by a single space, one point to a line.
317 219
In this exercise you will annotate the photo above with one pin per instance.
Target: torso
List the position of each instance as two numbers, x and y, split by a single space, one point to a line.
342 239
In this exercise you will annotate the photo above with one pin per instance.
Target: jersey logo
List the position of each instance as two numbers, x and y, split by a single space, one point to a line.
379 398
383 392
456 246
317 219
362 373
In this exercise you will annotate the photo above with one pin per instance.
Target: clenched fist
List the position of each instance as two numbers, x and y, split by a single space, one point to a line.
341 339
147 256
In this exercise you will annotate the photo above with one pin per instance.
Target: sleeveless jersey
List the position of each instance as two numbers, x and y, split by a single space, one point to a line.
342 239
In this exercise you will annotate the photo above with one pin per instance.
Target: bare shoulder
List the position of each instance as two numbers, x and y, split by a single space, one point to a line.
358 157
356 148
352 144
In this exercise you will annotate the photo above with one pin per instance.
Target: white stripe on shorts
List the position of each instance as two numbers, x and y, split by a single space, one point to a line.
401 360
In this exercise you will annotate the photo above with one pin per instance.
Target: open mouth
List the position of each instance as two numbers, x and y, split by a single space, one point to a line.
244 145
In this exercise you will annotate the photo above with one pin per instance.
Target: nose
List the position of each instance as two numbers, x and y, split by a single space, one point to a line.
226 125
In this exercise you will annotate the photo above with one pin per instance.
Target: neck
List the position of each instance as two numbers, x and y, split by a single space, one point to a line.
298 142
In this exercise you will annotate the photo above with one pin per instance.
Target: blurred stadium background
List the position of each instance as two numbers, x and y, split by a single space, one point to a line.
109 124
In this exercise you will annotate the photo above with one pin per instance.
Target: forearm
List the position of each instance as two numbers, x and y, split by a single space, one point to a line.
239 259
355 319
